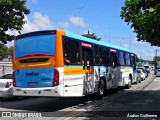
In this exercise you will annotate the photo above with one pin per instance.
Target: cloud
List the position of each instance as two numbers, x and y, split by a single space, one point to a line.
9 44
63 24
139 42
77 21
146 54
40 22
33 1
11 32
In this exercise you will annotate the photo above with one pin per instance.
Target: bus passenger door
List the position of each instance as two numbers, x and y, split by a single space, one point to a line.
113 61
133 64
87 61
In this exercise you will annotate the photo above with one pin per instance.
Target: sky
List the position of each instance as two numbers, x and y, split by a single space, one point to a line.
101 17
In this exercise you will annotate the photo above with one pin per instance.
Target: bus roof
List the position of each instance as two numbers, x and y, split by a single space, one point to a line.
68 34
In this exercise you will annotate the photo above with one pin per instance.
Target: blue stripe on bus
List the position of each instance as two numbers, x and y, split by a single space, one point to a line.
73 66
68 34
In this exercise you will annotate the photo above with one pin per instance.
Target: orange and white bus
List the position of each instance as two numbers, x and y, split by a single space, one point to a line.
62 64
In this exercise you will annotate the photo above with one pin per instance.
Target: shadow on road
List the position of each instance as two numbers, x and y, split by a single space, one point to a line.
121 101
129 102
48 104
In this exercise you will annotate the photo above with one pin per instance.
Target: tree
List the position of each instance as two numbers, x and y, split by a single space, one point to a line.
3 51
143 16
11 17
92 36
10 50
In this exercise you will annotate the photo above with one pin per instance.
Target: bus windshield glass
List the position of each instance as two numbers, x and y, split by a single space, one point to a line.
42 44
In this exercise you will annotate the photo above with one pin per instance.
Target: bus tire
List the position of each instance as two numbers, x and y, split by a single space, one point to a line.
129 83
136 81
101 89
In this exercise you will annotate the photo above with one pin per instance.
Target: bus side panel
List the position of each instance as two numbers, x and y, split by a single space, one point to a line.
134 79
73 80
73 85
78 83
123 75
96 79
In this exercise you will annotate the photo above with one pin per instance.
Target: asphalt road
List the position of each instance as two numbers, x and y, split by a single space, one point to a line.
141 101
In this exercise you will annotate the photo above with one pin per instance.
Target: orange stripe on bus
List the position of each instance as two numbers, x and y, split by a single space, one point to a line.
48 64
125 68
77 71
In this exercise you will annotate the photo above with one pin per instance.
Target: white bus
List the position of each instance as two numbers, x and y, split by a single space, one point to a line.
61 64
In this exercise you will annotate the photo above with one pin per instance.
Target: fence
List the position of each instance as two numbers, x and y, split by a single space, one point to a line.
5 68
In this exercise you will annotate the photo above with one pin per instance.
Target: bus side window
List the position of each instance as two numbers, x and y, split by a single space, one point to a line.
104 56
113 59
121 58
127 58
96 55
71 50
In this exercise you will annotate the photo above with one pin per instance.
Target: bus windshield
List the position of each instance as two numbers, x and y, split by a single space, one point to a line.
42 44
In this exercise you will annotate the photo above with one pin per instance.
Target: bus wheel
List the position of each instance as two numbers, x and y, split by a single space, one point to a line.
137 81
101 89
129 83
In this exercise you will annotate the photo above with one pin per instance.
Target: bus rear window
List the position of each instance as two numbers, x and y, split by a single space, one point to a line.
42 44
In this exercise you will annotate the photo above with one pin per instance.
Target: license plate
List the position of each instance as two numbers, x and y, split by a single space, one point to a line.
32 84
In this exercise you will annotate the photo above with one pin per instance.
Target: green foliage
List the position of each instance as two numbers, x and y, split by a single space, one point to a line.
157 59
11 17
143 16
10 50
3 51
151 62
92 36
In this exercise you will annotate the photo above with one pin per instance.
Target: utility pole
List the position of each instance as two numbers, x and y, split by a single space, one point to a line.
79 8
